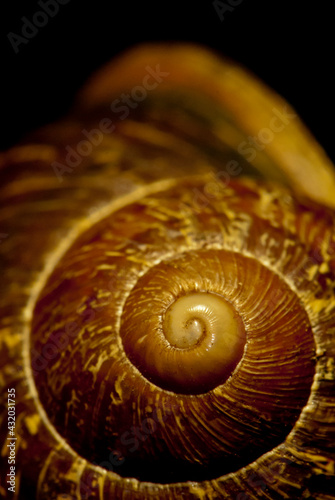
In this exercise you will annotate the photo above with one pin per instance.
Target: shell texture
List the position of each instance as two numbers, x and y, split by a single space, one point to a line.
167 306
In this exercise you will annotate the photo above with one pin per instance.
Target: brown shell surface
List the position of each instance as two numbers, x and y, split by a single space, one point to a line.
94 252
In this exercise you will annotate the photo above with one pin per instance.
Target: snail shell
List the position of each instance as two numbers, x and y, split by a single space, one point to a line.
167 314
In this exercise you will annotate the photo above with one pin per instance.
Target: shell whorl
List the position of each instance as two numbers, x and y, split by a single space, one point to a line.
118 358
175 336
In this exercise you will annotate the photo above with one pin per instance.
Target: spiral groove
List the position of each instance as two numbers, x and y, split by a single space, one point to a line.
118 341
167 315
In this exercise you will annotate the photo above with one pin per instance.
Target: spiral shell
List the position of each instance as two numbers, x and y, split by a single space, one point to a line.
168 309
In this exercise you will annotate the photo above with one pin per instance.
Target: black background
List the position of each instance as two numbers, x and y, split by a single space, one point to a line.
290 47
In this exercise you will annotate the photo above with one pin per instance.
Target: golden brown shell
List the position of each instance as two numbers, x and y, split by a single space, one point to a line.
171 205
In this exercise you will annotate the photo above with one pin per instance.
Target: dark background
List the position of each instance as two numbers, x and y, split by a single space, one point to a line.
290 47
